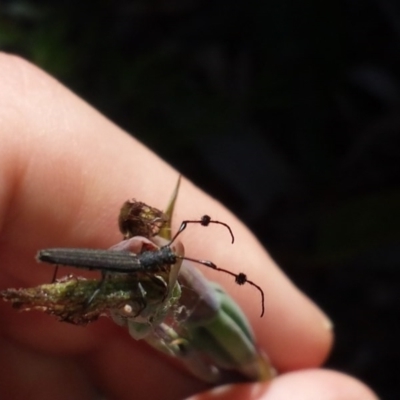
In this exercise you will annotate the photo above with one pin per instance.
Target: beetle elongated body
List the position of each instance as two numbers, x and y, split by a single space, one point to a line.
110 260
137 254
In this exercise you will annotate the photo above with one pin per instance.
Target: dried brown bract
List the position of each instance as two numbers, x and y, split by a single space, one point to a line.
139 219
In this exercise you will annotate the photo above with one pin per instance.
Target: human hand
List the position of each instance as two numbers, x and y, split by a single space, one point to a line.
64 172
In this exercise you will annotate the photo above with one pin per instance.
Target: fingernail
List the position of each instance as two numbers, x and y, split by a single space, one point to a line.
327 323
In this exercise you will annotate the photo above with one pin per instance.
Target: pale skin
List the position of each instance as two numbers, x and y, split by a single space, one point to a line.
65 170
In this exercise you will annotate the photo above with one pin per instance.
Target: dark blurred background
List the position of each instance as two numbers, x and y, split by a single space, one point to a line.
287 111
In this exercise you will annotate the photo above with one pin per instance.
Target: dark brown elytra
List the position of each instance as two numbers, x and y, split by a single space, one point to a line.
127 262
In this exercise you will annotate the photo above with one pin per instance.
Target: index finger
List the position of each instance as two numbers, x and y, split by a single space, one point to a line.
65 170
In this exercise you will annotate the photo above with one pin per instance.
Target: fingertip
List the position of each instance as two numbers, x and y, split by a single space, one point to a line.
310 384
317 384
295 332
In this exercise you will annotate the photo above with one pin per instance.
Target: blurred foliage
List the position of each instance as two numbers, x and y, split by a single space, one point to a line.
287 111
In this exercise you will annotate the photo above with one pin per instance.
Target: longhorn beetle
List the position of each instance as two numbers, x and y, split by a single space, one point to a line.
127 262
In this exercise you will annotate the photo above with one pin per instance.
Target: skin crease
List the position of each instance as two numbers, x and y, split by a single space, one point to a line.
65 171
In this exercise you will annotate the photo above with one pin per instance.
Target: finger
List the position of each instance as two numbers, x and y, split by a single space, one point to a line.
301 385
65 170
26 374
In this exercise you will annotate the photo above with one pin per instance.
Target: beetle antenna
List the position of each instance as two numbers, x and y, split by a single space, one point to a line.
205 220
240 278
